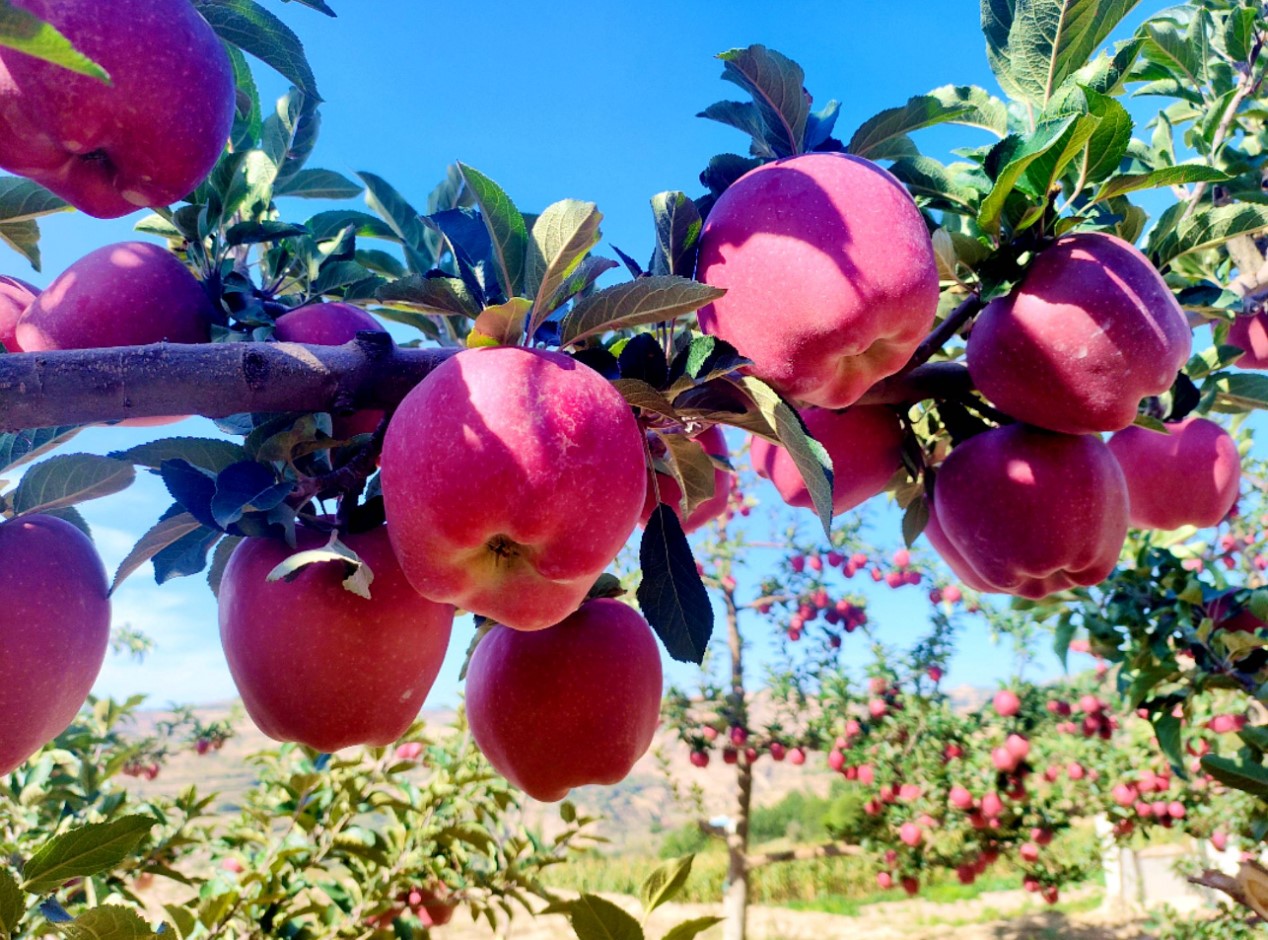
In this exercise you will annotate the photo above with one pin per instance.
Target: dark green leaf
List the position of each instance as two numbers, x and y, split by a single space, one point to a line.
22 200
186 556
253 29
671 594
1249 778
83 851
243 487
808 454
319 184
220 558
401 218
24 238
593 918
506 229
205 453
777 85
1050 40
68 479
664 883
635 303
678 226
743 116
1009 160
325 225
19 447
435 296
1168 731
27 33
254 233
964 104
12 904
1244 389
159 537
915 518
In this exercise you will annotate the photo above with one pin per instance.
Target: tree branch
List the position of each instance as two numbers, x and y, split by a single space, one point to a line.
942 333
211 379
828 850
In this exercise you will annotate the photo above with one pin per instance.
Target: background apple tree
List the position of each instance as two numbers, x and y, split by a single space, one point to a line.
932 382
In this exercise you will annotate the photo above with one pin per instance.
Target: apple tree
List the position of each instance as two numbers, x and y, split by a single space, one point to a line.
956 335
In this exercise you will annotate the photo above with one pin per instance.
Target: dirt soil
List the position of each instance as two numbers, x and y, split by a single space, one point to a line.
1002 915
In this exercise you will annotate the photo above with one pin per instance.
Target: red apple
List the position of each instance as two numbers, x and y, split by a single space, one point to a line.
332 324
714 443
910 834
829 271
1187 476
318 664
960 798
54 634
1019 510
1251 334
432 906
1090 331
865 444
572 705
149 136
15 297
128 294
511 478
1006 703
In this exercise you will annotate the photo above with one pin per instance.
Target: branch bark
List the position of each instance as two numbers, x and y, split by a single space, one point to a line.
211 379
828 850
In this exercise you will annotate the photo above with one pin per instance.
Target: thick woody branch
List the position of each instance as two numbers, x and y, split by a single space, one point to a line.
210 379
830 850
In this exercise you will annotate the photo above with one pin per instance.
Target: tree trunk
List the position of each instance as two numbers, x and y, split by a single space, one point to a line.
735 899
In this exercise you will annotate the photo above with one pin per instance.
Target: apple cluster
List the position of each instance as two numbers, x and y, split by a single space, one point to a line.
832 285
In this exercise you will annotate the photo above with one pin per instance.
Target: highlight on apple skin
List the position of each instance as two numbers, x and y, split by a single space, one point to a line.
1189 475
511 479
829 271
1020 510
572 705
1250 334
55 631
865 444
1091 330
714 443
318 664
146 138
15 297
332 324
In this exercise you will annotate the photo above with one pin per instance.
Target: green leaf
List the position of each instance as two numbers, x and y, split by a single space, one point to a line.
561 238
160 536
593 918
19 447
915 518
1010 158
220 558
24 238
319 184
1212 226
1168 731
402 218
12 904
251 187
434 296
964 104
671 594
357 574
255 233
246 125
1165 176
643 395
500 324
1043 172
328 225
1239 33
808 454
205 453
1106 147
664 883
27 33
1050 40
678 226
83 851
22 200
1166 46
108 922
182 918
1249 778
68 479
693 469
635 303
777 85
1243 389
689 929
926 178
506 228
244 487
253 29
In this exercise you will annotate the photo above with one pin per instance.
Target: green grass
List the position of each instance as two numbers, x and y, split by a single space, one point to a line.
944 893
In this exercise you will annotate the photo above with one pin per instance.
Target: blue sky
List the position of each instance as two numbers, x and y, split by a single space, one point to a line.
568 99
